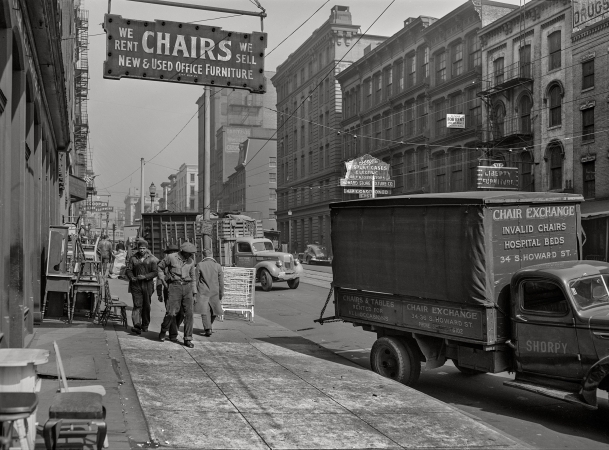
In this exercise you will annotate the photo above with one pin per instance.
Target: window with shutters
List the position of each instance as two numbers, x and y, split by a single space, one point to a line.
554 60
555 102
524 110
457 59
377 132
399 76
421 115
525 61
439 165
411 70
397 171
526 172
556 162
474 56
589 179
387 129
424 62
498 71
398 122
588 124
272 194
272 177
440 119
410 170
440 67
388 82
378 88
409 119
456 170
588 74
499 120
422 167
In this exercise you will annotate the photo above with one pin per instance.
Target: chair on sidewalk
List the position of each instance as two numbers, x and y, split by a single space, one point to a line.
112 305
15 408
75 407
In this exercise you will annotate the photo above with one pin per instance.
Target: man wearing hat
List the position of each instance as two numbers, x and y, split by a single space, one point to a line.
177 273
163 293
141 271
210 289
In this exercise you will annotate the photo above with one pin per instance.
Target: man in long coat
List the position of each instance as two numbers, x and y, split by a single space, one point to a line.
210 288
141 271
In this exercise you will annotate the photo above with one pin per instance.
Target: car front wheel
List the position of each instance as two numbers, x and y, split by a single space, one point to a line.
266 280
294 283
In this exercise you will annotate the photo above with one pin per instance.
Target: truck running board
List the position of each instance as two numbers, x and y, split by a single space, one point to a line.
559 394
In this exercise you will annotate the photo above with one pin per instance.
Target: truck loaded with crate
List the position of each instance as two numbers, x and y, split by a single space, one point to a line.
489 280
237 241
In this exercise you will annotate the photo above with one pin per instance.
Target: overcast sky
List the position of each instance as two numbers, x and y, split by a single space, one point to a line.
133 119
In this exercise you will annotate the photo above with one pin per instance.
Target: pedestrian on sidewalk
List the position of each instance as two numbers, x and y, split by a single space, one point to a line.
169 324
141 271
177 272
104 247
210 288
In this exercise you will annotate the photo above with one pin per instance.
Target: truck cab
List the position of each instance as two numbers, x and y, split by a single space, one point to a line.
271 266
560 328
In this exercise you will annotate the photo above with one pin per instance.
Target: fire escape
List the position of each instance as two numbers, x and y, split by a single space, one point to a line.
81 91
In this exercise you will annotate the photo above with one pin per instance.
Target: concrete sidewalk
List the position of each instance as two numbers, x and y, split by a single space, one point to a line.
261 386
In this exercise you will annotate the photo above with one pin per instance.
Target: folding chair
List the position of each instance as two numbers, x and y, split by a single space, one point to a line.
80 405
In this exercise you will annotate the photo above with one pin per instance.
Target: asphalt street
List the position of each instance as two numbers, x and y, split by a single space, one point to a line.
538 421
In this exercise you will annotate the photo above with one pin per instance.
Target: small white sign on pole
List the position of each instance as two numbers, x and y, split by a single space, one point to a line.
455 120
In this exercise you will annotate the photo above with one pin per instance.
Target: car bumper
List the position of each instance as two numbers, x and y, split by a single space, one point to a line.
285 276
321 261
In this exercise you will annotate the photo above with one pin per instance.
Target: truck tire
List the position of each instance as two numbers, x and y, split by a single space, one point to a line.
294 283
467 370
395 359
266 280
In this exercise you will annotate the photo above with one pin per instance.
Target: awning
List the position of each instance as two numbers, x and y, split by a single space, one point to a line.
78 189
594 209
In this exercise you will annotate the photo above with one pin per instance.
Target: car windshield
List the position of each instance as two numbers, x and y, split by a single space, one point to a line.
262 246
590 291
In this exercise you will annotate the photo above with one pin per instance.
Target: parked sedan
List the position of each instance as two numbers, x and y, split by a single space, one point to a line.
316 254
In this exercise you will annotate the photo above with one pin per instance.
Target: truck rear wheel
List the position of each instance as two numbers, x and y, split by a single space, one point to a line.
294 283
266 280
395 359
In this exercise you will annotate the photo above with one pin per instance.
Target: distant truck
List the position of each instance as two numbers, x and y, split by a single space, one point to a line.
489 280
239 242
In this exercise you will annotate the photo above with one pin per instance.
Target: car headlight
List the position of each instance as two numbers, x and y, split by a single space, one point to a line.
278 263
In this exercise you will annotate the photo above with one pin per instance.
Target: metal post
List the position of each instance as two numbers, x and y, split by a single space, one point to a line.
207 166
142 188
373 190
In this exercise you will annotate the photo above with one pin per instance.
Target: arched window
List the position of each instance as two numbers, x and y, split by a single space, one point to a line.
498 126
555 96
555 159
525 114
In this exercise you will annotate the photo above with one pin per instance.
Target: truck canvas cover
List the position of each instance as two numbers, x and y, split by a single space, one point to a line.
459 247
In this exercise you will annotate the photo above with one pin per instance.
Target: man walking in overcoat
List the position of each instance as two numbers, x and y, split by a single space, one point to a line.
141 271
210 287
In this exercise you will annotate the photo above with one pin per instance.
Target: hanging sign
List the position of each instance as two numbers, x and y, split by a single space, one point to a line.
455 120
184 53
364 167
503 178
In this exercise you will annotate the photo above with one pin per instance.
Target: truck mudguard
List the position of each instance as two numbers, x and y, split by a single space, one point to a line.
594 377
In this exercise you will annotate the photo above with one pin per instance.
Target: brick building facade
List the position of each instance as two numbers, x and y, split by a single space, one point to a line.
398 95
527 77
309 106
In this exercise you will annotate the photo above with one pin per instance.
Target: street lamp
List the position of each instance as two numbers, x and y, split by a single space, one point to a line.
152 190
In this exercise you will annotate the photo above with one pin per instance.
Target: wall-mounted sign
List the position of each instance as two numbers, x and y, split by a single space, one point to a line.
588 158
364 167
455 120
588 12
503 178
364 183
184 53
78 188
367 191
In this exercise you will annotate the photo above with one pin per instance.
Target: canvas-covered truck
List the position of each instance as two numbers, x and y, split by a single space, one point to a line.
489 280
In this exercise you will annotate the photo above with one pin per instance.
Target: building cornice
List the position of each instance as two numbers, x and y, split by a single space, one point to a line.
589 31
